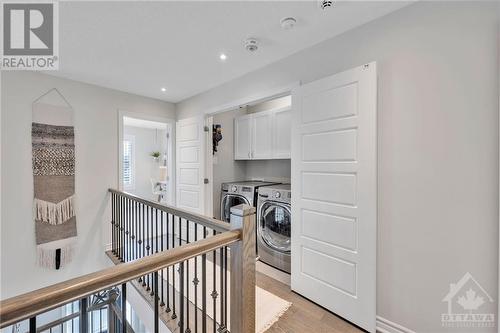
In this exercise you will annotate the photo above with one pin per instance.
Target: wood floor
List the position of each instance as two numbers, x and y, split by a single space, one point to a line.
303 316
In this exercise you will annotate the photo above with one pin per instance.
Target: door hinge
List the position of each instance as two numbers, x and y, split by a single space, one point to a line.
206 129
205 181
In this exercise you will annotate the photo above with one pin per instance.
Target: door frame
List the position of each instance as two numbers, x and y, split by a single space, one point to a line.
171 163
259 97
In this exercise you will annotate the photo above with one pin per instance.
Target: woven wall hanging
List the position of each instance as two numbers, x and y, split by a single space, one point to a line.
53 156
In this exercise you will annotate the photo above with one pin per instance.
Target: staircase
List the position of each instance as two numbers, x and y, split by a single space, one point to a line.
196 273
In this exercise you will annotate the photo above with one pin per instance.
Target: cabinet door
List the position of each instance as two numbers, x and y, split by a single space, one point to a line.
282 133
242 138
262 135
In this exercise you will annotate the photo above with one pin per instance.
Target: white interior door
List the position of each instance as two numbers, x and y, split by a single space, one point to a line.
334 186
190 169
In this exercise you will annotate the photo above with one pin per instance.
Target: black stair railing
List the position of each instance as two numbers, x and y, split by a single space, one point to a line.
182 263
180 290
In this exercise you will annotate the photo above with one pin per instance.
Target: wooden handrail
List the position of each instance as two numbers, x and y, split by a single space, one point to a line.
24 306
209 222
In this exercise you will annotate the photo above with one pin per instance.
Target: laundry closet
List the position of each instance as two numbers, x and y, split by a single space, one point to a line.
251 164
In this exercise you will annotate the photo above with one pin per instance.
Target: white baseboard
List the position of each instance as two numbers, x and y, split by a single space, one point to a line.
387 326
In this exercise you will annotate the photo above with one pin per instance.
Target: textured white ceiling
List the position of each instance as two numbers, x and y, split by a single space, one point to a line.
140 47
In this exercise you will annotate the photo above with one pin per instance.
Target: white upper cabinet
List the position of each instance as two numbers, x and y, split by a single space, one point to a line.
282 127
263 135
262 124
243 138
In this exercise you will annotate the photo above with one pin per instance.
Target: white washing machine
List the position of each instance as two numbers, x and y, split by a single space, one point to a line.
274 224
237 193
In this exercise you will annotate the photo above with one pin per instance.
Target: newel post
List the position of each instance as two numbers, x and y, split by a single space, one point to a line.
243 271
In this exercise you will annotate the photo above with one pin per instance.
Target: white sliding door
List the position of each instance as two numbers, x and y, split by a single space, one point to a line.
334 193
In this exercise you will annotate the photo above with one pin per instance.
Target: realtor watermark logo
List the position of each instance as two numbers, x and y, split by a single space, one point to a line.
30 32
469 305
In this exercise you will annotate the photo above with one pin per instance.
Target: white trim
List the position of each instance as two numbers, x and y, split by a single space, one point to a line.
209 174
387 326
256 98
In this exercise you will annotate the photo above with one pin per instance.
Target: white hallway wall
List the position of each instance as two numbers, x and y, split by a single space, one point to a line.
438 145
96 134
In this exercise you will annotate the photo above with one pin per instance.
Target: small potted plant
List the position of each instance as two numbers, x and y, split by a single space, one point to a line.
155 155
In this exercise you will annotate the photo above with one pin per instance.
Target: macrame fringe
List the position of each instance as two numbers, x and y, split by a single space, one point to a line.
54 213
47 256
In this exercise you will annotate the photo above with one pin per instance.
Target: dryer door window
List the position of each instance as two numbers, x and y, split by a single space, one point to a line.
229 201
275 225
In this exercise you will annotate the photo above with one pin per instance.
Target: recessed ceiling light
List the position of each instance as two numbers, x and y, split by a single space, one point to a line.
222 57
163 89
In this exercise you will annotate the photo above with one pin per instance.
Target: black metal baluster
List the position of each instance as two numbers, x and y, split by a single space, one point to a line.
124 307
195 282
33 324
113 223
155 235
204 291
127 237
168 268
122 228
83 315
181 296
148 247
130 231
157 230
162 303
156 310
221 298
143 241
118 230
214 290
188 330
173 269
225 288
117 226
136 229
151 243
181 280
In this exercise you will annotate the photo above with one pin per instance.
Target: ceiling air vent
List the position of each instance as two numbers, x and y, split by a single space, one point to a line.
325 4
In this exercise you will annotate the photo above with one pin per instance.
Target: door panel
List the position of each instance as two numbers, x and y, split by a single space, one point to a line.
334 185
282 133
242 138
262 135
190 164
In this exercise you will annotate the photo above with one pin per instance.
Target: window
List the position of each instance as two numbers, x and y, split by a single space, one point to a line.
128 162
